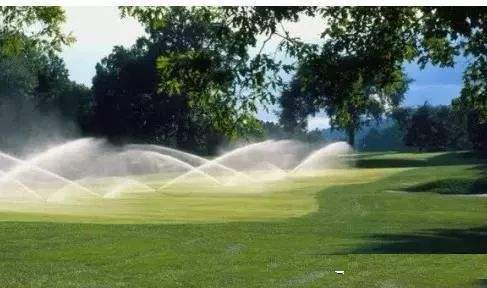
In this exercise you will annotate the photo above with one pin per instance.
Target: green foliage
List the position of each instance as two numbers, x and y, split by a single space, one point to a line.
465 27
205 58
399 34
387 139
472 112
32 26
433 128
388 34
351 89
427 34
199 77
386 37
36 95
34 87
33 76
472 103
17 78
271 130
296 105
177 86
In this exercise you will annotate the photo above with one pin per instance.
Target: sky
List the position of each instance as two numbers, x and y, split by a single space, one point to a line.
99 29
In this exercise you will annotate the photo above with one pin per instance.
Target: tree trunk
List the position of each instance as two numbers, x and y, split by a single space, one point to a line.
351 136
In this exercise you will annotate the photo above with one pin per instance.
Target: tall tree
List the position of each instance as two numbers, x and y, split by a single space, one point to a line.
201 58
190 78
394 35
434 128
351 88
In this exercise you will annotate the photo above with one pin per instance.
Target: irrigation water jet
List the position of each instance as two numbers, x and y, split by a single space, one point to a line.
324 158
89 167
126 185
30 166
25 188
183 164
216 162
190 158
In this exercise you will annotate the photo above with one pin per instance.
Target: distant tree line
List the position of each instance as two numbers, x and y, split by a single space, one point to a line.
423 128
433 128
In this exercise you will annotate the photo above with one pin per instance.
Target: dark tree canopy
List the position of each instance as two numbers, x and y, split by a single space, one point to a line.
189 79
189 40
351 89
296 105
432 128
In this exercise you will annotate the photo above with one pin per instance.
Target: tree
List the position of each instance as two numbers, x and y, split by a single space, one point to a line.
387 139
424 132
351 89
477 130
37 99
188 83
122 89
202 58
35 91
434 128
464 29
392 35
32 26
33 76
352 78
296 105
471 111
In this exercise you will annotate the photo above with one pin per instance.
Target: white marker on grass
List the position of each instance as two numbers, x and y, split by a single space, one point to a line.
340 272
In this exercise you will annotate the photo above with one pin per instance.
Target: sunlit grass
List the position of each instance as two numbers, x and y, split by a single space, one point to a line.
384 226
195 200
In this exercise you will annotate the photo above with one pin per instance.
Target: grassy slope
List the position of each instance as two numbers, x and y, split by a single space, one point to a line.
379 234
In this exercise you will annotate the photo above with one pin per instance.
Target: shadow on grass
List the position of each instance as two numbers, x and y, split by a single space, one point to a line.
389 163
437 241
443 159
452 186
481 283
457 184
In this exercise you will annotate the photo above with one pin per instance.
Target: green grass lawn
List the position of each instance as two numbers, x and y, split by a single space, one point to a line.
397 220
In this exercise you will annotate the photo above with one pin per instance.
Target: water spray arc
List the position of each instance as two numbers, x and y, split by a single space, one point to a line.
329 152
123 184
91 167
23 186
26 165
183 164
200 160
216 162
